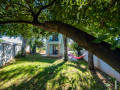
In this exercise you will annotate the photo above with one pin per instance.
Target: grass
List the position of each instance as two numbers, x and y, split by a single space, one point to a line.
35 72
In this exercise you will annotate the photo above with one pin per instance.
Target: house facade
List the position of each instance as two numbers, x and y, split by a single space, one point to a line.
55 46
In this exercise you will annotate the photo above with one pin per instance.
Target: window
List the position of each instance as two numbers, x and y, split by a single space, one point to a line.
55 38
55 49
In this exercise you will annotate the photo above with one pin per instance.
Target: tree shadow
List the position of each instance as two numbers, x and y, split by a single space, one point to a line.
66 83
38 58
78 65
97 79
95 76
39 81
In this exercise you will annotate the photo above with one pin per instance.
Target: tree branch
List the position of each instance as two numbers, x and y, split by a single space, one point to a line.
37 24
87 6
111 5
22 5
101 50
113 2
44 7
29 6
33 14
12 21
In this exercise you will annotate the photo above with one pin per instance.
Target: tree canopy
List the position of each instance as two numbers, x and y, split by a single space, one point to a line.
73 18
99 18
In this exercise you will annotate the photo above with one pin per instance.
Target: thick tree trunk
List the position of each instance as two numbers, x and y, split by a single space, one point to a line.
90 62
23 51
101 50
65 49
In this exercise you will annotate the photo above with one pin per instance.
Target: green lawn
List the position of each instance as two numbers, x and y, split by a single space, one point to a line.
41 73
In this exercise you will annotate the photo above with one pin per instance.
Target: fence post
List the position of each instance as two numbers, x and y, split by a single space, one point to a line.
4 48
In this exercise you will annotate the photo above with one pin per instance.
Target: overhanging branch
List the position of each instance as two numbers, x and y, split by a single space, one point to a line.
111 5
22 5
33 14
44 7
37 24
19 21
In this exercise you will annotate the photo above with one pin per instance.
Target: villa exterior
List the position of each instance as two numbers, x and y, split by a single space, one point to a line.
55 46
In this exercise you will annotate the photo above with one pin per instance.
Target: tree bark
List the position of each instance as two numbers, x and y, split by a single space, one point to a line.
65 49
101 50
23 50
90 62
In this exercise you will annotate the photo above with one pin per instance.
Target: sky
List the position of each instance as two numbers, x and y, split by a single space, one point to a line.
12 39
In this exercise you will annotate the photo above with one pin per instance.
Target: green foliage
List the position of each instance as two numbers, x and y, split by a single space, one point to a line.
100 38
19 55
36 40
115 44
35 43
17 30
75 46
96 17
1 40
39 44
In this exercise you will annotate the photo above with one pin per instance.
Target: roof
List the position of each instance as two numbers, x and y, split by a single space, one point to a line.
10 43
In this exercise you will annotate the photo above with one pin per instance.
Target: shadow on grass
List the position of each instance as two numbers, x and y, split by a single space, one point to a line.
98 80
95 76
41 77
39 81
38 58
78 65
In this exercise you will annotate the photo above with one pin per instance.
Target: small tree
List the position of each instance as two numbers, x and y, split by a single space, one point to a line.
76 47
34 43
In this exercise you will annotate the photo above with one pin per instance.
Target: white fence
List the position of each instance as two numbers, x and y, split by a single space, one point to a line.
8 51
101 65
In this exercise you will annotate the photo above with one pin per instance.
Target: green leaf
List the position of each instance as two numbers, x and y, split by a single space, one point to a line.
73 81
118 30
100 38
70 88
113 46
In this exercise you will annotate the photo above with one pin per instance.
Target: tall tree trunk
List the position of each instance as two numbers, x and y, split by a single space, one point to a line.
23 50
65 48
90 62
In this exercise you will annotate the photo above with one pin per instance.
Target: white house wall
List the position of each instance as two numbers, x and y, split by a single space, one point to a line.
50 49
